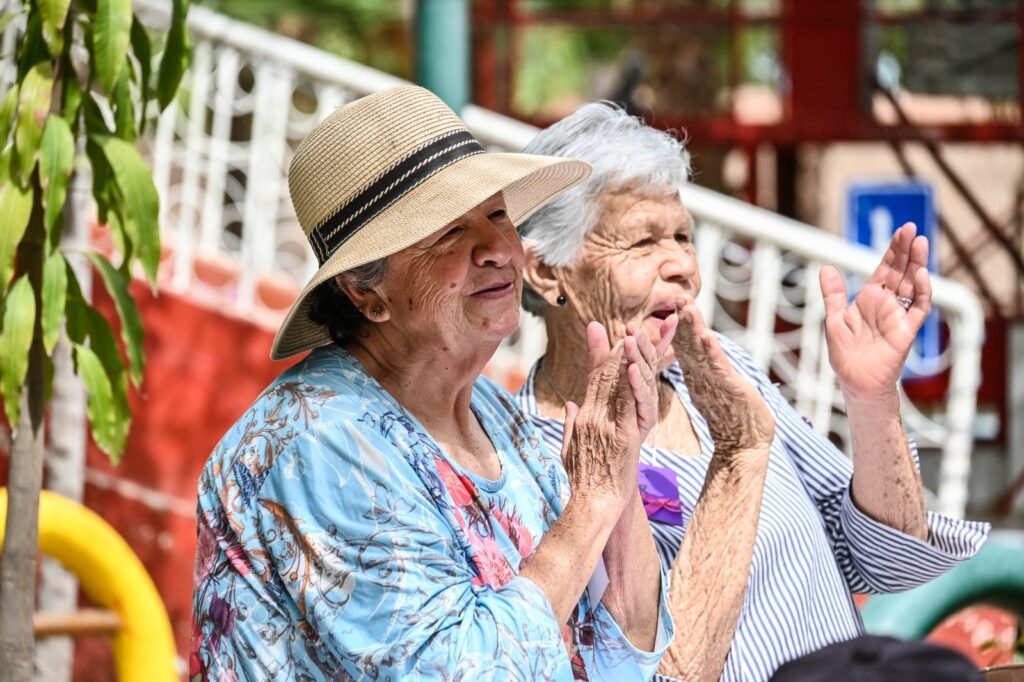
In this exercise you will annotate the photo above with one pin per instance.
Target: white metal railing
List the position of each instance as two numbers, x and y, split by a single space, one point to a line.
220 156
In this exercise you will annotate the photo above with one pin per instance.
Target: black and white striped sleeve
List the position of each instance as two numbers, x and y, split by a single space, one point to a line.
874 558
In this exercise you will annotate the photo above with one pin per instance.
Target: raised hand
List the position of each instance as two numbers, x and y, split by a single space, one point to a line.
602 436
869 340
737 416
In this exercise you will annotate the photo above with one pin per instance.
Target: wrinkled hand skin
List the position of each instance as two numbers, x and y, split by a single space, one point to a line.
709 576
617 412
737 416
595 459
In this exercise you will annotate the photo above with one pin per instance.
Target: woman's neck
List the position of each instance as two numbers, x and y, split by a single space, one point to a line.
563 373
434 384
565 370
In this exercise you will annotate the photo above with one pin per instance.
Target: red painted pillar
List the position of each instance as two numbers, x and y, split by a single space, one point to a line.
821 44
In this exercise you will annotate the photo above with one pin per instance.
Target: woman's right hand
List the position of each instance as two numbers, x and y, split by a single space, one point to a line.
602 436
737 415
600 452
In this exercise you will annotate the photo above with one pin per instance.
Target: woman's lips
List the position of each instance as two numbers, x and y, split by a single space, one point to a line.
663 313
498 291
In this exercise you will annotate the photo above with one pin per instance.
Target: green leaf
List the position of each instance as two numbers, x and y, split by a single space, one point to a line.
96 122
77 309
56 159
138 200
19 320
111 35
48 371
131 322
143 49
33 109
109 424
8 111
33 48
72 94
102 179
176 55
124 107
15 209
55 290
103 343
122 243
54 13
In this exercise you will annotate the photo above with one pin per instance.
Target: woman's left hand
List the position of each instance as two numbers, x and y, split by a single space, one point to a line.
869 340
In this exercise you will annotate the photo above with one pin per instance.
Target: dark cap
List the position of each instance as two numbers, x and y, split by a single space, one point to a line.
871 658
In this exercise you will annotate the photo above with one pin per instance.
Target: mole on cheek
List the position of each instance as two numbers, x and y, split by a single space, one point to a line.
451 285
411 304
486 323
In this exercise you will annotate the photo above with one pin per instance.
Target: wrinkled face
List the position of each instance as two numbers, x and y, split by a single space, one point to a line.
461 285
636 264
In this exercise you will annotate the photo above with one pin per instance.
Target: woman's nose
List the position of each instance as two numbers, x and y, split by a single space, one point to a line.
679 263
494 246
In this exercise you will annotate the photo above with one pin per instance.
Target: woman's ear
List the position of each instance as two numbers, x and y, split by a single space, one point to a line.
368 301
541 277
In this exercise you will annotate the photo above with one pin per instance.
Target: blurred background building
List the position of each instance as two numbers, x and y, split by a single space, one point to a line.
794 110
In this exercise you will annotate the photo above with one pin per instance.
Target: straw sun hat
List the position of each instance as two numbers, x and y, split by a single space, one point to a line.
389 169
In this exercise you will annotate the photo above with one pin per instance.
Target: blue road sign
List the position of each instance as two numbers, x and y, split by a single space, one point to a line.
874 212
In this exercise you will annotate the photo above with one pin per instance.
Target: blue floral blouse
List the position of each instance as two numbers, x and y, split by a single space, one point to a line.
338 541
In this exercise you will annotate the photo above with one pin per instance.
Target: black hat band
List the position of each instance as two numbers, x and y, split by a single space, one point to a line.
402 178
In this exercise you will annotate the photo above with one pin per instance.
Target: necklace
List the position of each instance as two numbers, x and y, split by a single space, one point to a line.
654 432
549 382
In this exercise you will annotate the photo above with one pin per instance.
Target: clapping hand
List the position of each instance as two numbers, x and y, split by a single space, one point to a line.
602 436
869 340
737 416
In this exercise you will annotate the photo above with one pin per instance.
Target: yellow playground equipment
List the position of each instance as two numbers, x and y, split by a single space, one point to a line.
114 579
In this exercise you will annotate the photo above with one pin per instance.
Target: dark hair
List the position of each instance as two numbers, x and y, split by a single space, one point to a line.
331 307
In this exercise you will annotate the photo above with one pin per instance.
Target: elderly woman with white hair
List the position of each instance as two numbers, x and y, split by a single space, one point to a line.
765 528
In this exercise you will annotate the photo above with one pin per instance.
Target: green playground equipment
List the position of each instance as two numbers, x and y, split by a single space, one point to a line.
994 576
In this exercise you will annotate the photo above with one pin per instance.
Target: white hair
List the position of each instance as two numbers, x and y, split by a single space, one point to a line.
624 153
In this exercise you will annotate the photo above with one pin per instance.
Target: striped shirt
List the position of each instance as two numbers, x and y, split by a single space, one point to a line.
813 548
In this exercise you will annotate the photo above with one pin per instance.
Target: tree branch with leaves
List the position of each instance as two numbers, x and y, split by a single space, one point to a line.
85 84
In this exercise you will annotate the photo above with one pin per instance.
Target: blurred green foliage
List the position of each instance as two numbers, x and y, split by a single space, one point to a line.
555 63
377 33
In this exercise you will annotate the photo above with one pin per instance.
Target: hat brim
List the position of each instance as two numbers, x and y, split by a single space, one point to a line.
527 182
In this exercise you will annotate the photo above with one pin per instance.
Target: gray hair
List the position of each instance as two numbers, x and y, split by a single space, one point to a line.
368 275
623 151
331 307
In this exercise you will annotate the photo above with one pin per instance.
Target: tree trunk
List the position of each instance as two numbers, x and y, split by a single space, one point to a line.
25 478
18 569
65 457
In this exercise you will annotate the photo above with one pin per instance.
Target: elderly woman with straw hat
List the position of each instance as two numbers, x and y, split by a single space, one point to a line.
382 511
764 526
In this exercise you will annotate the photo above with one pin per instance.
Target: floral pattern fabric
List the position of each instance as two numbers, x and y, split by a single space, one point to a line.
337 541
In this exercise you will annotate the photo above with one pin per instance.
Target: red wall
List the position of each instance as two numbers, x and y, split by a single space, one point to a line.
202 371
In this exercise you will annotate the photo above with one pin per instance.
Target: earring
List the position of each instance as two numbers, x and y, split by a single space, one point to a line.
561 300
377 311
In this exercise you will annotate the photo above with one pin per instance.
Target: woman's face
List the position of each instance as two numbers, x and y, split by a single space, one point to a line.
637 263
461 285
